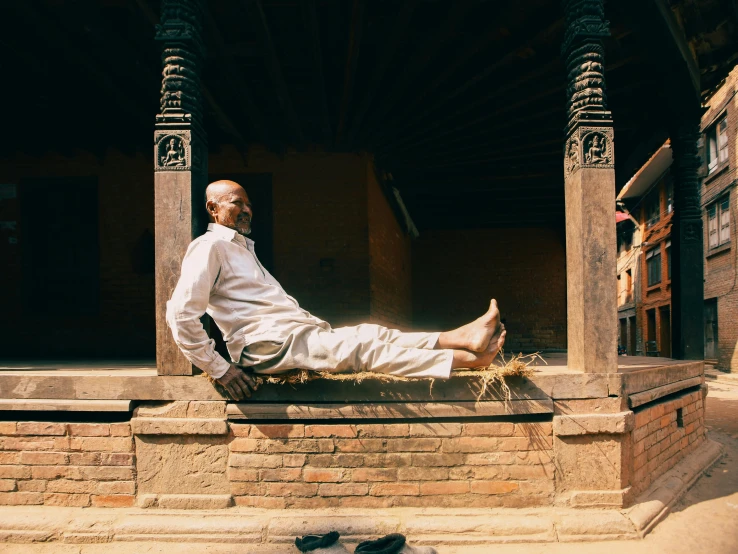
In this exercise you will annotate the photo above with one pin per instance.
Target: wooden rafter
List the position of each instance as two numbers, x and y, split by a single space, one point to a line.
397 29
352 55
256 12
424 54
504 60
498 93
230 67
441 134
521 36
60 41
310 14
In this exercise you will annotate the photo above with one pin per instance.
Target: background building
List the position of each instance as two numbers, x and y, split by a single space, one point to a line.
719 125
644 258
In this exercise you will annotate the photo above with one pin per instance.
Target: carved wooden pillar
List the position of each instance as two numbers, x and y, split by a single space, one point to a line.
180 162
687 281
590 194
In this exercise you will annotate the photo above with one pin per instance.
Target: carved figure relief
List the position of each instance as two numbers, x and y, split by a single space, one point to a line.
692 231
590 147
172 153
596 151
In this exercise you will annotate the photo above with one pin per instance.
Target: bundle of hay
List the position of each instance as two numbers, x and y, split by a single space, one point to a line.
491 376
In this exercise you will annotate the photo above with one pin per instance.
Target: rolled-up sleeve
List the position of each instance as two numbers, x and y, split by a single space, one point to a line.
200 270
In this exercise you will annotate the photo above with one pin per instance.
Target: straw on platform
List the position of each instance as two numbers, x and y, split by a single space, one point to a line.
491 376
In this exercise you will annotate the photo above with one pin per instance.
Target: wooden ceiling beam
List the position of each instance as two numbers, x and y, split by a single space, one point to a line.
553 135
310 15
423 55
352 55
498 93
497 131
395 32
441 134
256 12
521 37
229 67
59 40
435 159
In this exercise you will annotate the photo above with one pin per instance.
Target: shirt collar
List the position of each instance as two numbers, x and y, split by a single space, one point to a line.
227 232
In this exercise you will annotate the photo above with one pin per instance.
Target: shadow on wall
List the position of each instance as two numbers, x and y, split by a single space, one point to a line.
456 272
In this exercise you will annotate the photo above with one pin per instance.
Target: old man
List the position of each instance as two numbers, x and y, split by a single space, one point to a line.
266 330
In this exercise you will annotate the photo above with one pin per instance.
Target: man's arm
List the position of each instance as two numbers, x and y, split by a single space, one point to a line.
200 270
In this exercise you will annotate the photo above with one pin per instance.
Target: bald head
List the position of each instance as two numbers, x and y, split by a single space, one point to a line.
217 189
229 205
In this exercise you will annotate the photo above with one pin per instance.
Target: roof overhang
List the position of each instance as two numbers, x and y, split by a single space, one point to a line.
648 174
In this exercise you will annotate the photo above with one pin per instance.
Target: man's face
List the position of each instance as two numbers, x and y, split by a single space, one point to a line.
233 210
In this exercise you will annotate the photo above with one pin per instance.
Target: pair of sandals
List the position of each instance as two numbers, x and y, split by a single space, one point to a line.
390 544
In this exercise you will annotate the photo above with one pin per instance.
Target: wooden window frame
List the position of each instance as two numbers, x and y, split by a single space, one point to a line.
716 144
719 213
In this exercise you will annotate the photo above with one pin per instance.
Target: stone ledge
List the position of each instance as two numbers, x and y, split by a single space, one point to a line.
654 504
185 501
641 398
592 424
178 426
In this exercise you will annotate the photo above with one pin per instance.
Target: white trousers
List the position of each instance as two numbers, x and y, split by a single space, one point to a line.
365 347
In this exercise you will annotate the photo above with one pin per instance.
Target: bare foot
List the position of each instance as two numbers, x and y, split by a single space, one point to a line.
474 336
466 359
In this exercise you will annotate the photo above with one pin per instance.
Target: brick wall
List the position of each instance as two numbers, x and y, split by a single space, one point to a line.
660 440
321 243
67 464
456 272
721 264
389 261
377 465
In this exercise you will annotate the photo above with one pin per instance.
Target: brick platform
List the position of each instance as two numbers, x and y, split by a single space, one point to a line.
67 464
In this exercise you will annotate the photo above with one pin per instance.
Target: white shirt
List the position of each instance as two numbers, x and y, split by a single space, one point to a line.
222 276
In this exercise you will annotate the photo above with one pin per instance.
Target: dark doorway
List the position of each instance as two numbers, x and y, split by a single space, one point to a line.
665 331
651 325
711 329
624 333
633 345
60 257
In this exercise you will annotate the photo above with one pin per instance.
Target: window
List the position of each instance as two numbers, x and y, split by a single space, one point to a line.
653 265
718 222
667 247
669 196
653 208
717 145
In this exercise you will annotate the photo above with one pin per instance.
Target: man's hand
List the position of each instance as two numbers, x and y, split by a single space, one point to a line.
238 383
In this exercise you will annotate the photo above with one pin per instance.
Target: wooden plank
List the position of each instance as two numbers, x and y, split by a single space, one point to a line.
645 397
387 410
51 405
646 379
106 386
144 384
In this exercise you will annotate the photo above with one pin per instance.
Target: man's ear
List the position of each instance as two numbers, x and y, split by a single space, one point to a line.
212 207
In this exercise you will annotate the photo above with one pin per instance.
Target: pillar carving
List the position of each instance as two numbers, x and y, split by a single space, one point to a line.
180 161
687 282
589 175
